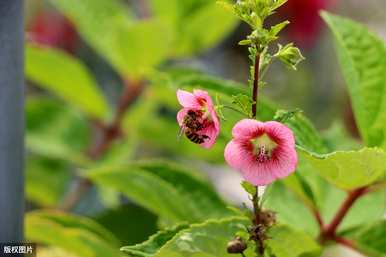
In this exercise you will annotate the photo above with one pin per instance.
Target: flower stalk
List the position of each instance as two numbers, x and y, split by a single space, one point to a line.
255 92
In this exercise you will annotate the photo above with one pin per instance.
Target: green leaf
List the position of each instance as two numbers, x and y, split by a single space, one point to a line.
168 190
66 77
286 202
78 235
46 180
371 239
249 188
286 242
55 130
186 19
349 169
278 27
208 239
154 243
108 27
124 219
362 56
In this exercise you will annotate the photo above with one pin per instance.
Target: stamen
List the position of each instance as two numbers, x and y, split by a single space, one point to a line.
263 147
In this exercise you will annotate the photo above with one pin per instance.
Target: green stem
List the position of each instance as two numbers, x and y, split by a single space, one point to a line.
255 85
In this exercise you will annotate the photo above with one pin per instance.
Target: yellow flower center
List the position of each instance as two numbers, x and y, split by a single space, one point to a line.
263 147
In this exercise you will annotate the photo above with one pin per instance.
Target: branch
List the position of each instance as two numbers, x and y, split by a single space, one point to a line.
346 242
111 132
330 230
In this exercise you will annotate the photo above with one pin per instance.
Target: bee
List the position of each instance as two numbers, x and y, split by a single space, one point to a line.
192 124
194 137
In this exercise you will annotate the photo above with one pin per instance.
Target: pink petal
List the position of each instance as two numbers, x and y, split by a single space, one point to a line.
233 155
246 128
281 132
187 100
212 133
252 171
237 156
258 174
181 115
285 162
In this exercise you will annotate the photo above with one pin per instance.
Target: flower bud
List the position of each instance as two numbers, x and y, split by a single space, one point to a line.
237 245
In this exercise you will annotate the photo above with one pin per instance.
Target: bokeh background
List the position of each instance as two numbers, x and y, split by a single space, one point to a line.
317 88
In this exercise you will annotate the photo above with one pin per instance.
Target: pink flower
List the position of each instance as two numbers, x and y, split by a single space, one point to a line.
198 119
306 23
261 151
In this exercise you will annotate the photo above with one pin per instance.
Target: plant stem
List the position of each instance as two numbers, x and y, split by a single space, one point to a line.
109 133
257 222
330 231
346 242
255 85
256 206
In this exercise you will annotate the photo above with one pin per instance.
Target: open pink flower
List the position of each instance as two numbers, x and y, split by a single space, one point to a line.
261 151
198 119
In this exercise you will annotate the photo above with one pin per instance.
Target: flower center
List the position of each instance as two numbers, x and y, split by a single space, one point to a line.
263 147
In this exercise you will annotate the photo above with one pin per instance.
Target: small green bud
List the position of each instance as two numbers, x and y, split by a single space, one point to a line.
289 55
245 42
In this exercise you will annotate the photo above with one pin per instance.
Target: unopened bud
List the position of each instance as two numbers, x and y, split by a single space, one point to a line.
237 245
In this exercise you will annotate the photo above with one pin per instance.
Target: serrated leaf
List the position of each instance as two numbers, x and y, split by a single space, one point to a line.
109 28
286 242
349 169
362 57
208 239
168 190
55 130
78 235
66 77
154 243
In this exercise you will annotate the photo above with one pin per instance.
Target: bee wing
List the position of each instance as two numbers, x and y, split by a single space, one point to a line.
181 132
